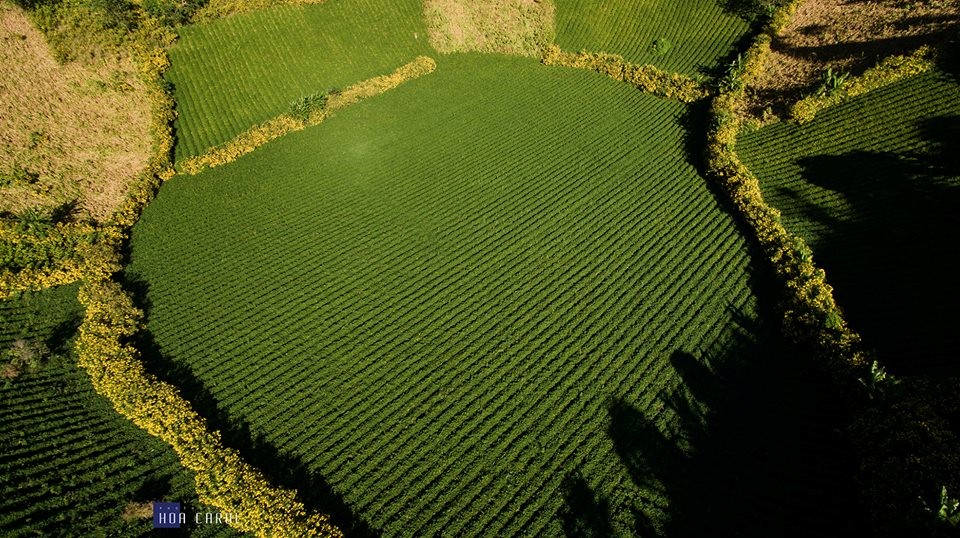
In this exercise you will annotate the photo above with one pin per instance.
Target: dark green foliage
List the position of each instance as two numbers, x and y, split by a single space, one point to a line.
304 106
172 12
732 79
18 175
831 82
754 11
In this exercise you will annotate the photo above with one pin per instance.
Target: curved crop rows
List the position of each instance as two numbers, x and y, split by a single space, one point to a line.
873 185
68 462
448 306
236 72
686 36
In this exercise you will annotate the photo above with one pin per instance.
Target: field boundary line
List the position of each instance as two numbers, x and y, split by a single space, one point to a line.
647 77
890 427
288 122
889 70
223 479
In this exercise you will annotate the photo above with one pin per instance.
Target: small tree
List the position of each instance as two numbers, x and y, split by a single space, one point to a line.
24 356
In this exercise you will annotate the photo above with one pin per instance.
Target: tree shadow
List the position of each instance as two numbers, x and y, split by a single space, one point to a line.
280 468
756 449
894 260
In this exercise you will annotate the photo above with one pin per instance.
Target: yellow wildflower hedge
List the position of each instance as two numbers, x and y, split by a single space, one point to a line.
811 316
888 71
223 479
648 78
286 123
905 445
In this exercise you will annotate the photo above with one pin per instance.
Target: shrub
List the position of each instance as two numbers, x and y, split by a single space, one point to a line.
831 82
24 356
645 77
307 105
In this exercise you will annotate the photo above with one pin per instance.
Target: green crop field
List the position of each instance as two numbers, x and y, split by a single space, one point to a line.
486 303
874 186
235 72
485 294
69 465
686 36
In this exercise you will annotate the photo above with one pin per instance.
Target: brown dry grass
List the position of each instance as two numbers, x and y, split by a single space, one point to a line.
521 27
84 129
137 510
847 36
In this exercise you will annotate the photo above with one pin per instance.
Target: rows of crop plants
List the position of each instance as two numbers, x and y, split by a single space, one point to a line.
462 317
233 73
68 463
687 36
873 185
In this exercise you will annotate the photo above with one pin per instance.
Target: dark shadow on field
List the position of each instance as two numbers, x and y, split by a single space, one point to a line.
894 263
280 468
758 450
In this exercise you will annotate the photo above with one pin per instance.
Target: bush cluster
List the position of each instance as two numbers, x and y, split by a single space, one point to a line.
886 72
904 443
41 255
645 77
306 111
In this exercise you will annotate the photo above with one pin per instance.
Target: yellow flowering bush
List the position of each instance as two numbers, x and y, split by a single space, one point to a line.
253 138
645 77
886 72
223 479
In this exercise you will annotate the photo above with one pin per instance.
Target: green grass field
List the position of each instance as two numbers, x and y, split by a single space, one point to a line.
688 36
236 72
69 464
461 317
874 185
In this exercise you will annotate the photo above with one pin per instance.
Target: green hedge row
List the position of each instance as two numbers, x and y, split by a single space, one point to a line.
223 479
645 77
902 432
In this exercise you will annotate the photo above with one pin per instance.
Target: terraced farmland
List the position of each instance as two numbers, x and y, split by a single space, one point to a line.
233 73
68 463
873 184
464 318
685 36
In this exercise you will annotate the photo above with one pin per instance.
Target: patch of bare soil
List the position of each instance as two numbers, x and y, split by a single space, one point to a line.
67 132
520 27
847 36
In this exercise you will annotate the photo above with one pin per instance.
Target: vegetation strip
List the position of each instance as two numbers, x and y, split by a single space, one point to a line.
811 316
886 72
306 112
37 255
902 441
223 479
648 78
